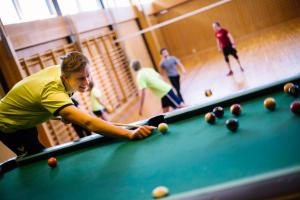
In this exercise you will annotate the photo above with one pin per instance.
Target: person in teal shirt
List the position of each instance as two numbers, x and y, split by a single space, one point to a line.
46 95
149 78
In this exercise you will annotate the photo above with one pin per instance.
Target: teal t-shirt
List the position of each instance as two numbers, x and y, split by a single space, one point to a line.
149 78
33 100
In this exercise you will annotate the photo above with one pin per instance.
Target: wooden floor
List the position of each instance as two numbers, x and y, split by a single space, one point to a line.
267 55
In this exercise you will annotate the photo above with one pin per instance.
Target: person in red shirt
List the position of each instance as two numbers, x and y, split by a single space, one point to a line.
225 42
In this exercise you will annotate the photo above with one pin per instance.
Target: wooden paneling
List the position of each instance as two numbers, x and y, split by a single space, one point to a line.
121 14
32 33
133 44
9 66
88 21
241 17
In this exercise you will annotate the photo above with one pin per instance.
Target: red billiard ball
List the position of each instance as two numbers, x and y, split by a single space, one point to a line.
232 124
236 109
52 162
270 103
295 107
210 118
218 111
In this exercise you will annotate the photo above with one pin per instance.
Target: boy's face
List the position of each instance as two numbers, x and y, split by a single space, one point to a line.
165 53
79 81
216 27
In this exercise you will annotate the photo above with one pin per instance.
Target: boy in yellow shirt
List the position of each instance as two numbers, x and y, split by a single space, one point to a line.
45 95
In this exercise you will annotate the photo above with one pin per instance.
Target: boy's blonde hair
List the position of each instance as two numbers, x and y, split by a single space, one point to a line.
73 62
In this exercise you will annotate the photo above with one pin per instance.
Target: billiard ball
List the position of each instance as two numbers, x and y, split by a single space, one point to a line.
294 91
287 86
218 111
208 92
270 103
236 109
160 191
52 162
295 107
232 124
210 118
163 127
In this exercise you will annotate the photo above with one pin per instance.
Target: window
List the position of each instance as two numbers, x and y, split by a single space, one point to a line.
34 10
88 5
8 13
68 7
116 3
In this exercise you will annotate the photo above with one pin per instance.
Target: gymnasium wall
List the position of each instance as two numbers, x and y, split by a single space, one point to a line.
241 17
135 48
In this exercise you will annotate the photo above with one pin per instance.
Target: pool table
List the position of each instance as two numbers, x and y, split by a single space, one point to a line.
194 159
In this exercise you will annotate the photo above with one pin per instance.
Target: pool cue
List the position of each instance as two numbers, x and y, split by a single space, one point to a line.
128 125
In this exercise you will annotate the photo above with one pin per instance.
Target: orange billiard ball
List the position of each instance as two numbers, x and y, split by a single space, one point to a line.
52 162
210 118
208 93
287 86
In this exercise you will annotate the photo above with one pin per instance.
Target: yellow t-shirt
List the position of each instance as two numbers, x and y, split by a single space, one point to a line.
149 78
33 100
95 93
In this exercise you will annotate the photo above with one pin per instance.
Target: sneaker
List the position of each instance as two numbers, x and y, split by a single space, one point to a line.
229 73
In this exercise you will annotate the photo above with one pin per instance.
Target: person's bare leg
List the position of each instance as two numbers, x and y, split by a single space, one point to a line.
104 116
230 70
166 109
238 61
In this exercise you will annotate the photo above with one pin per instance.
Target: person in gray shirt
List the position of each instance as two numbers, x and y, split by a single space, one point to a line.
170 65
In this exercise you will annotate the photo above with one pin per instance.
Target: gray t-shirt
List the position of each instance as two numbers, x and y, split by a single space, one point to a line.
169 65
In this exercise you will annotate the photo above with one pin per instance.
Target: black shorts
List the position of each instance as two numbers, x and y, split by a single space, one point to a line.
99 112
229 50
23 142
170 99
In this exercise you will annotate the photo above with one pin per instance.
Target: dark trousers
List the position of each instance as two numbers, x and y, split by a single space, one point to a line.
81 132
23 142
175 81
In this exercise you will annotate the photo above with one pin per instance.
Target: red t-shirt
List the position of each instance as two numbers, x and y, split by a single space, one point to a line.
222 36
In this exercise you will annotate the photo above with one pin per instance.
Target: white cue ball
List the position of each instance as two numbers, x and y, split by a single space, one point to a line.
160 191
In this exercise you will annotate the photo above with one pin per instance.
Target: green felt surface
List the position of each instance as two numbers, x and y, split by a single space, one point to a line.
192 155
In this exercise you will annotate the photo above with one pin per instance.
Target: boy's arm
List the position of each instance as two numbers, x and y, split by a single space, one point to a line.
101 102
218 45
182 68
231 39
97 125
142 100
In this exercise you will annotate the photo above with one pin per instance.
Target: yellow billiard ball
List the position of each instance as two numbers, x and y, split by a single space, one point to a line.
163 127
270 103
160 191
